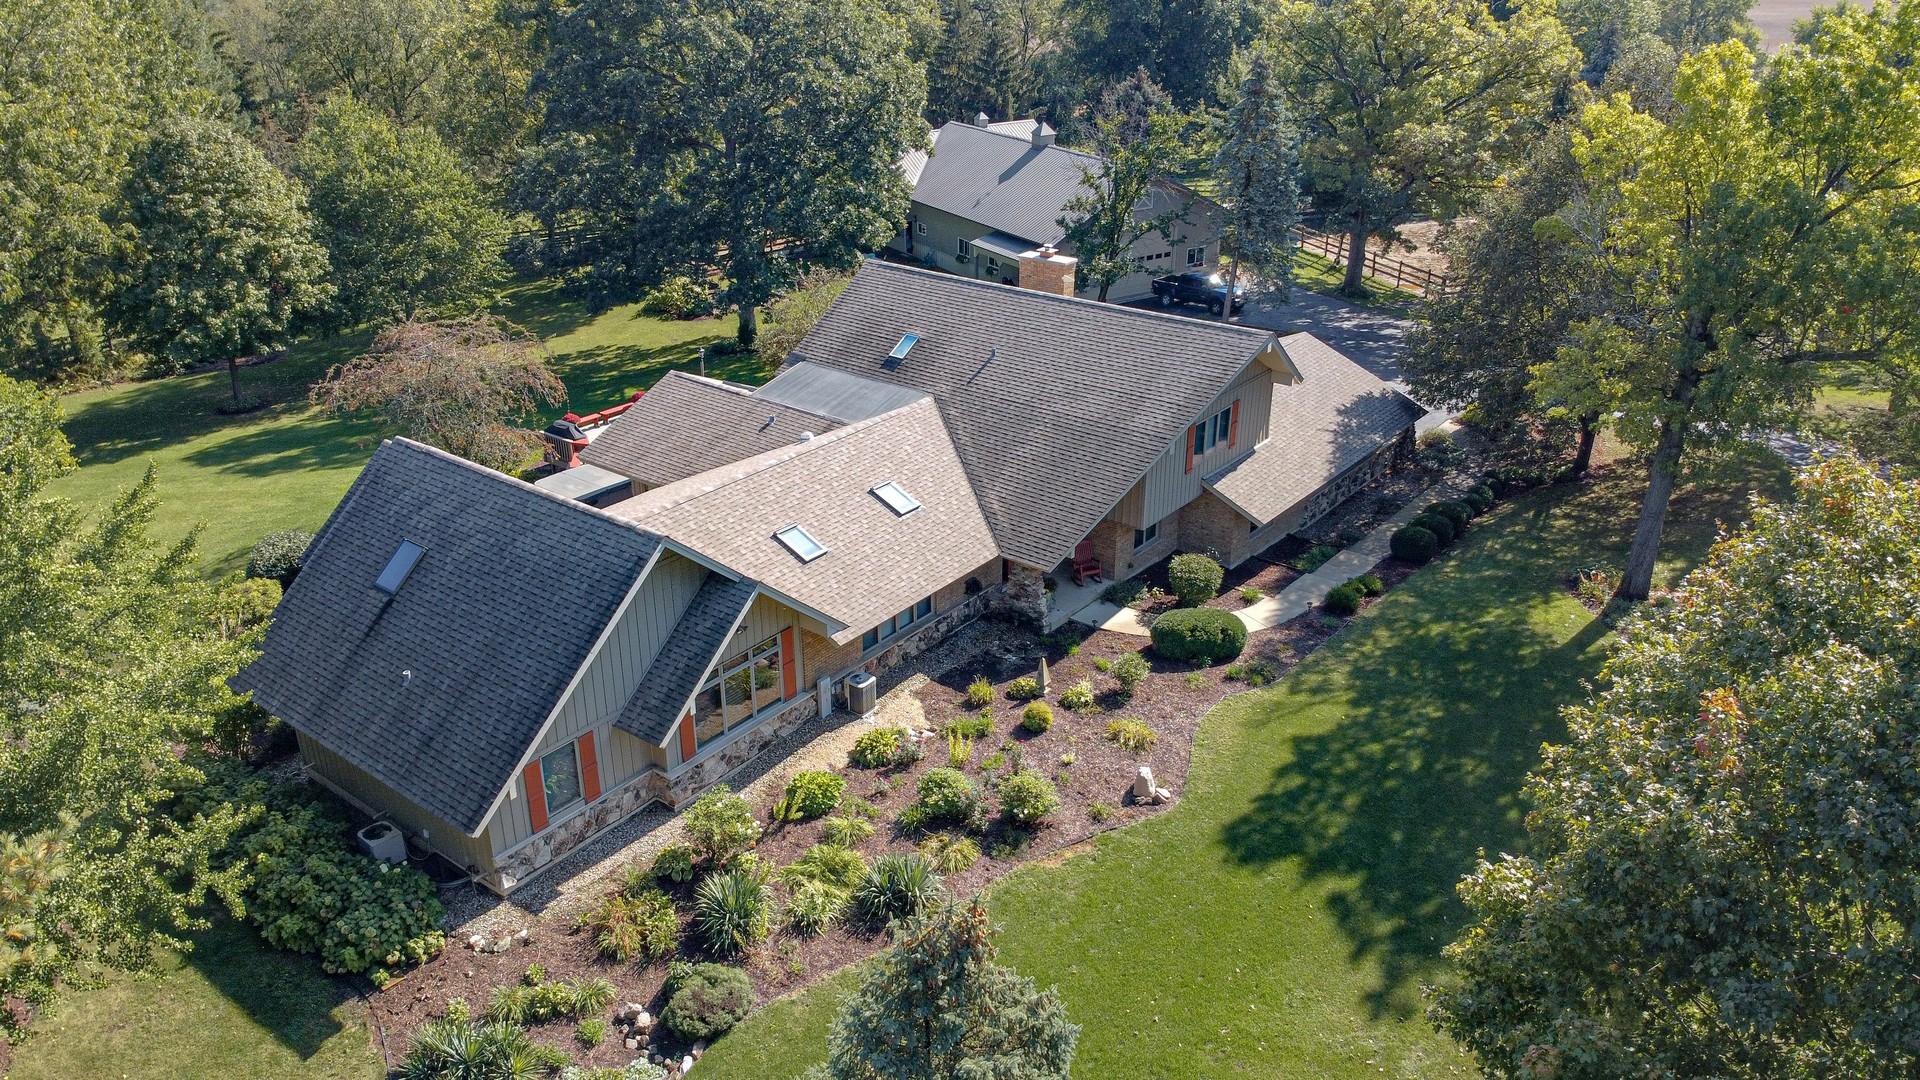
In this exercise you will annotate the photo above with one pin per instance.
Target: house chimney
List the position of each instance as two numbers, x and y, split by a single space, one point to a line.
1048 271
980 120
1042 134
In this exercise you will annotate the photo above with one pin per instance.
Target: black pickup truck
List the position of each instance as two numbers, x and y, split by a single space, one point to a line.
1197 288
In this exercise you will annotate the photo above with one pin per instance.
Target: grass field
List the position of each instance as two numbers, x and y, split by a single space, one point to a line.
285 466
1281 920
230 1008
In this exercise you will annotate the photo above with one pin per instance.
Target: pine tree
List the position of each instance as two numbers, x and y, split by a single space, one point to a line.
938 1008
1259 171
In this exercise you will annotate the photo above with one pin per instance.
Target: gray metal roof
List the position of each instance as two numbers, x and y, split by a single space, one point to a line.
1001 180
438 689
582 483
1057 405
831 392
1323 425
686 425
687 656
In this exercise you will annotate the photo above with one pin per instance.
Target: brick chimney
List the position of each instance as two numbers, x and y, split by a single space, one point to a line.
1048 271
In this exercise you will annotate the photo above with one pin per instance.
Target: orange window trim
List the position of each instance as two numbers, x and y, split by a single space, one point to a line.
1233 425
789 672
589 767
1190 431
536 796
686 737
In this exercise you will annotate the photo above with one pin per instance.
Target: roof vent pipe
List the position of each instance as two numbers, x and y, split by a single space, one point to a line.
806 436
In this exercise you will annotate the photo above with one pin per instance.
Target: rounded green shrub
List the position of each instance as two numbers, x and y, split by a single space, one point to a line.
278 556
1454 510
1479 500
1344 600
812 793
720 825
1199 634
1414 544
975 726
1027 797
1441 526
706 1000
1024 688
679 297
947 795
828 864
1369 584
1037 718
1195 579
877 749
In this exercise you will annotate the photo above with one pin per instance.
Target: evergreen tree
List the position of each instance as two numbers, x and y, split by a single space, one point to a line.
405 225
1258 168
936 1007
222 257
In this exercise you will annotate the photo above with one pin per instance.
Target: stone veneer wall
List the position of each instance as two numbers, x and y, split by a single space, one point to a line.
540 850
1024 596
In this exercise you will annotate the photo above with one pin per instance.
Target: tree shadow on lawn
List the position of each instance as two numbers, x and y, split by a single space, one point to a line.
1446 700
284 993
607 375
313 442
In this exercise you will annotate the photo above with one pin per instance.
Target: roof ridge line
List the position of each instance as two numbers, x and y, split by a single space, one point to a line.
574 504
1120 309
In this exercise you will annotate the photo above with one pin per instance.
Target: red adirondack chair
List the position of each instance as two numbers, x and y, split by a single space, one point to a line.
1084 564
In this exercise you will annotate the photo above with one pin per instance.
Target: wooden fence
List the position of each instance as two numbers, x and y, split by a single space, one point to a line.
1397 272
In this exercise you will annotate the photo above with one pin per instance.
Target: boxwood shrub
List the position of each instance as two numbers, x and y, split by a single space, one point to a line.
1199 634
1342 600
706 1000
1479 500
1414 544
1038 717
1195 579
1453 509
1441 526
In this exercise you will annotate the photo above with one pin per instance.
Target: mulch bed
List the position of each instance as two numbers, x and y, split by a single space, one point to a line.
1172 701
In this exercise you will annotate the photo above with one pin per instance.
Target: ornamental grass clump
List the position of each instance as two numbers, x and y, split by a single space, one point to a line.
877 749
1131 735
1079 697
896 887
731 912
979 692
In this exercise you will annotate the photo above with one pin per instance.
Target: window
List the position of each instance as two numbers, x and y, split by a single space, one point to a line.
907 342
738 689
893 627
993 266
896 498
801 543
920 227
398 567
964 248
1212 431
560 775
1197 256
1143 537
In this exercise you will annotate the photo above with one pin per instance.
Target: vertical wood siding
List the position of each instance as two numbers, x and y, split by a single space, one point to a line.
371 795
1167 485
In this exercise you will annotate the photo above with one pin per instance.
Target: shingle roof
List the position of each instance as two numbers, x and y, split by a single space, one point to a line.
1001 180
687 425
1323 425
474 623
687 656
1057 405
877 563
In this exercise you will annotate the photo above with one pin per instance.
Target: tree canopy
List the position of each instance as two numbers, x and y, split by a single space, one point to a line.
1138 140
936 1007
1724 879
1412 106
1736 248
222 257
715 134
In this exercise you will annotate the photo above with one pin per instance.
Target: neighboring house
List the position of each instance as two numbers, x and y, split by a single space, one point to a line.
507 672
989 194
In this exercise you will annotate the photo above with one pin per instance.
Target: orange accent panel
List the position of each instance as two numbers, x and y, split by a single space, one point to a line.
686 738
1233 425
536 797
789 674
589 767
1190 430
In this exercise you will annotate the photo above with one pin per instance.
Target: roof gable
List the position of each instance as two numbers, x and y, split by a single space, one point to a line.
1000 179
1057 405
438 689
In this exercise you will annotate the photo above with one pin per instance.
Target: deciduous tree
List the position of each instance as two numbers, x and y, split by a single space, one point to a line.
724 133
936 1007
112 659
1186 46
458 384
406 227
221 258
1723 879
1736 248
1258 168
1137 140
1412 106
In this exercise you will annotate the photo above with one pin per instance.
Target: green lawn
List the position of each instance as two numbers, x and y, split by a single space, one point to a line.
1281 920
1317 273
231 1008
285 466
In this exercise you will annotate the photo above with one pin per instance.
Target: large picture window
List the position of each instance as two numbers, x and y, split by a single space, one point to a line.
740 688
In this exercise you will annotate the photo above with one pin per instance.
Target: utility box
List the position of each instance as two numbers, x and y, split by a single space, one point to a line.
862 693
384 841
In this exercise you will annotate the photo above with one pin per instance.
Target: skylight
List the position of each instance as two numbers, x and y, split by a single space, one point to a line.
900 351
399 567
801 543
896 498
